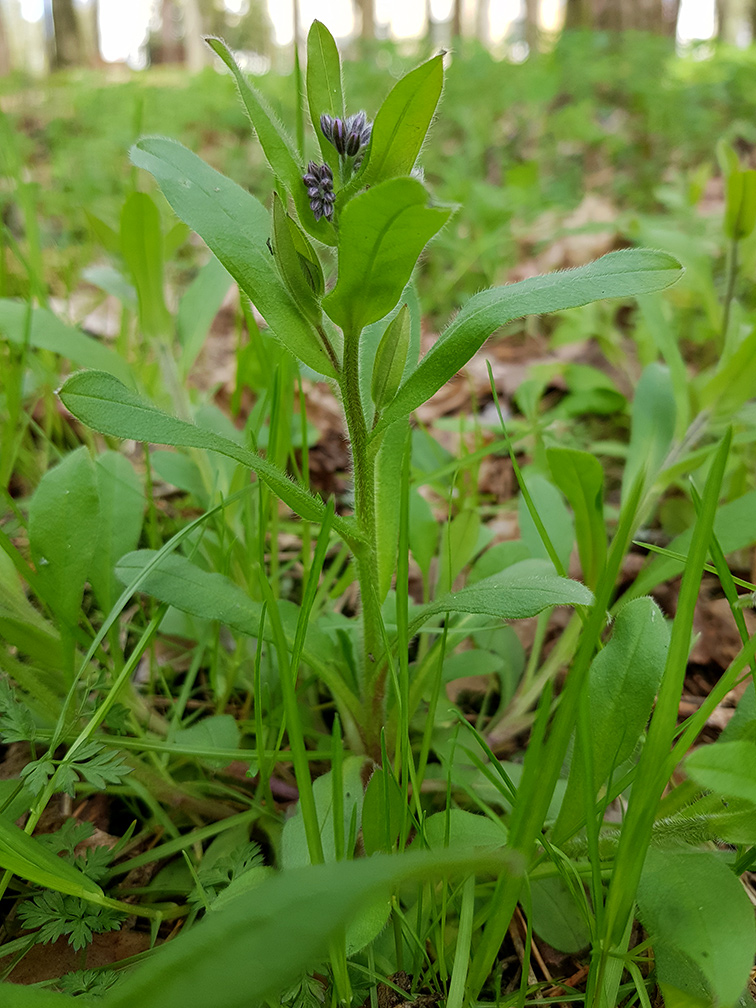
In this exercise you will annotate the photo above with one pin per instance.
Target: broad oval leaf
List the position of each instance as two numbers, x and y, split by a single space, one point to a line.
700 922
120 518
236 227
105 404
63 531
729 768
381 233
625 273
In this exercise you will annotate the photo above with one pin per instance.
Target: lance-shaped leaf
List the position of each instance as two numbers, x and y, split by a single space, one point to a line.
276 145
264 939
30 860
289 262
400 126
46 332
580 477
381 234
522 590
103 403
236 227
143 252
390 358
625 273
325 93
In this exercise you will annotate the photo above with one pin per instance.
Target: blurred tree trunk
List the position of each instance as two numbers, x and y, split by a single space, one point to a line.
658 16
532 25
196 52
733 17
367 19
169 48
578 14
67 42
482 21
5 56
456 20
89 28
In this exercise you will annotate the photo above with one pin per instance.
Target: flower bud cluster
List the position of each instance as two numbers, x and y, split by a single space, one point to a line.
319 182
349 136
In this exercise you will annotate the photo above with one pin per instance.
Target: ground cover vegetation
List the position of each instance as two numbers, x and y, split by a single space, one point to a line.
281 729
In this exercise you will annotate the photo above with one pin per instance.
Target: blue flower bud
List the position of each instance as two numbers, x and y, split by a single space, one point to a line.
319 182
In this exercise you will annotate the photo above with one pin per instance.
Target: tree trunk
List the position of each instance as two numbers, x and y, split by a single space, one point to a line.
456 20
658 16
482 21
5 56
578 14
196 53
367 19
532 25
68 44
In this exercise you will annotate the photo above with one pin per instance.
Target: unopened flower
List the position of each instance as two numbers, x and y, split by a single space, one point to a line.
349 136
319 182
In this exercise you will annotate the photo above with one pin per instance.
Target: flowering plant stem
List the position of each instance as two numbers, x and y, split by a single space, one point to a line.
363 465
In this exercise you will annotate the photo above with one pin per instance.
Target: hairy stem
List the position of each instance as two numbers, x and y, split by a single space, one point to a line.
363 466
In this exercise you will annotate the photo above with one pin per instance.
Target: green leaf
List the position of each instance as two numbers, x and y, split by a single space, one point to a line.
734 527
580 477
551 509
382 809
120 518
557 916
740 204
401 125
276 145
103 403
388 502
700 922
621 274
26 857
198 307
265 939
24 996
390 358
219 731
294 849
381 233
729 768
288 260
142 250
186 586
622 684
22 625
423 531
236 227
459 542
653 426
524 589
458 828
47 332
325 94
63 530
